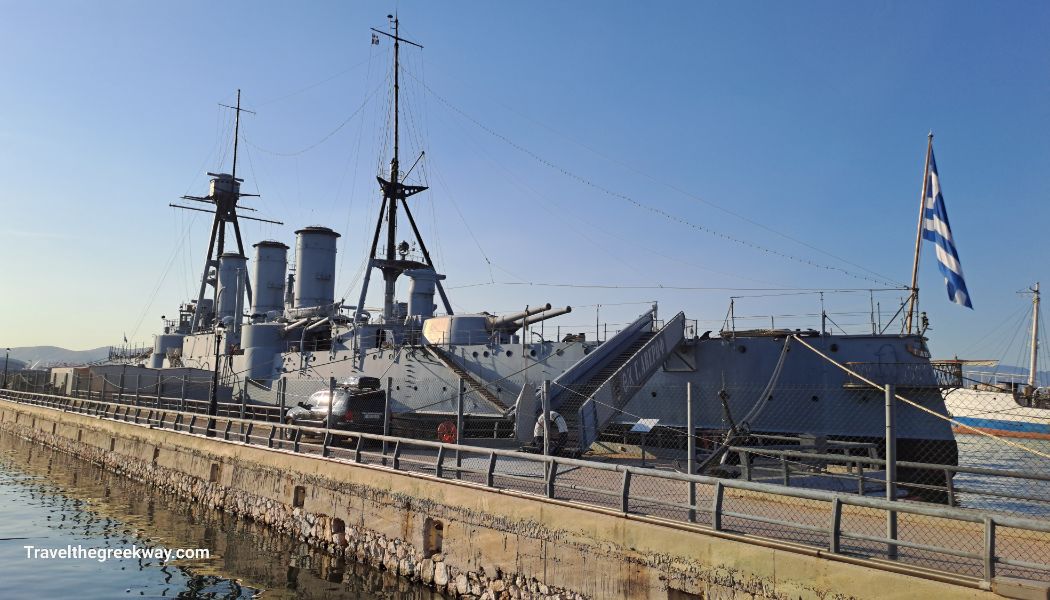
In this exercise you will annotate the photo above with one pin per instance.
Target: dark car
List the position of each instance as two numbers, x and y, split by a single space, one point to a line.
359 410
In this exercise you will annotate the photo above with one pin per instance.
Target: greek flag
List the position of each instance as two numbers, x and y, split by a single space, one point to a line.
936 229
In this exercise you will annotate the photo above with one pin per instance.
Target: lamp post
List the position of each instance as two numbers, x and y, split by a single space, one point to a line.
213 405
7 355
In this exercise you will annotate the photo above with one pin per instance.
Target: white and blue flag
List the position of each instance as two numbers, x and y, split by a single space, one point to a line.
936 229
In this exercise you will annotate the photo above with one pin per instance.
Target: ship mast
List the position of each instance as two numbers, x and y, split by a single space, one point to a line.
1035 337
225 193
395 191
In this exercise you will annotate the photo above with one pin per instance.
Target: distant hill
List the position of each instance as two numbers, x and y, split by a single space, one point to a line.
13 365
43 356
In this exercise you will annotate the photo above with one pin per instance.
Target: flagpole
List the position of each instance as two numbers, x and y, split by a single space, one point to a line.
914 301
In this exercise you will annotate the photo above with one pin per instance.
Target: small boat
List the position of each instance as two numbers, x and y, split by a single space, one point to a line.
1007 408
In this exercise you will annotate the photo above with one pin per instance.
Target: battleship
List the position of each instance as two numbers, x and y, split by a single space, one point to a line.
264 321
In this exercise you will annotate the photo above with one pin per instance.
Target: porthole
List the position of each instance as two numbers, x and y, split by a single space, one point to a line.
769 398
475 354
510 353
532 353
741 349
653 394
397 388
486 354
814 398
834 348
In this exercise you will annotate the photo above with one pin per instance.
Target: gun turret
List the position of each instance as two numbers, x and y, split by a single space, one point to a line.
507 322
529 320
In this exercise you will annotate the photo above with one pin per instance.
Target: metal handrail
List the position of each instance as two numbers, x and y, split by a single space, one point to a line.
551 465
744 452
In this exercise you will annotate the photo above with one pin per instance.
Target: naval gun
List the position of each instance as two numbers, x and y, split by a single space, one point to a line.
513 322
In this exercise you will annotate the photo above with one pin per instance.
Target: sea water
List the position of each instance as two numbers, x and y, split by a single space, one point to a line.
57 504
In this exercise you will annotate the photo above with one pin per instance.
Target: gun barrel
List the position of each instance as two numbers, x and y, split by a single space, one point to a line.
536 318
503 322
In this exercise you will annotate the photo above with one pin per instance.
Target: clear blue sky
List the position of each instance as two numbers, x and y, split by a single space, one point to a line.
790 126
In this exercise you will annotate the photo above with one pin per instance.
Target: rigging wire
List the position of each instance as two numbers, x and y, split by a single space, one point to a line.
652 209
353 178
315 84
548 206
323 139
690 195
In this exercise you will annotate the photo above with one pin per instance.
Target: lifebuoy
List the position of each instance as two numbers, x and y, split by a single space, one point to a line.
447 432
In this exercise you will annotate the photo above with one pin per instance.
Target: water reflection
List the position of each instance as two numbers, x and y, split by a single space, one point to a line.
51 500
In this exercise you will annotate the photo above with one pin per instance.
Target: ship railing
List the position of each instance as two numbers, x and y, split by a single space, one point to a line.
839 527
933 374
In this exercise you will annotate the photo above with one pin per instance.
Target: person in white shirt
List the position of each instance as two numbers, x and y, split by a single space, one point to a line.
558 427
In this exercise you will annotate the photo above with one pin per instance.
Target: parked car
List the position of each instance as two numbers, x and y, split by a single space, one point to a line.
354 409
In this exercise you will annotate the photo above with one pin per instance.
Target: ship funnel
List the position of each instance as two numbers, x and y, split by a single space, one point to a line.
271 261
421 292
231 279
315 267
507 322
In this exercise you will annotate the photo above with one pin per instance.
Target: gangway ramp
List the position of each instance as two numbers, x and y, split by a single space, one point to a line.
593 391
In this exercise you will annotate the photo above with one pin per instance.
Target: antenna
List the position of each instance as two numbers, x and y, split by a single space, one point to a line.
224 195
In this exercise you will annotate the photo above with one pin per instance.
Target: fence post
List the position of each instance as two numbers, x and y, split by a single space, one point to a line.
690 448
989 548
160 388
89 386
76 385
138 387
182 395
545 402
836 525
716 506
120 396
386 413
282 391
891 471
625 492
328 419
459 424
244 398
102 394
